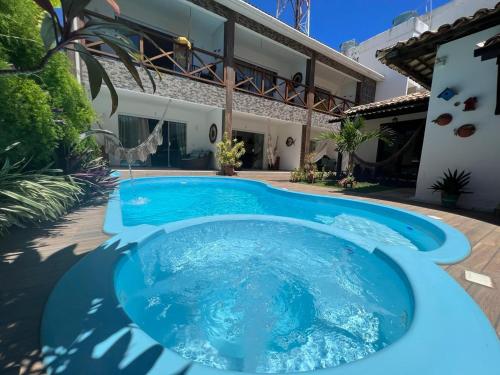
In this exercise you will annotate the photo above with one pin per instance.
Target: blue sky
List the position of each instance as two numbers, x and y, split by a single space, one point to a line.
335 21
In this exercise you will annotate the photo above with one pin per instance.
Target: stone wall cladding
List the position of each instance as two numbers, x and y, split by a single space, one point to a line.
322 120
253 104
170 86
186 89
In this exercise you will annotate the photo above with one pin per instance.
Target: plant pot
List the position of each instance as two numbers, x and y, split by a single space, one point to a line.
449 200
227 170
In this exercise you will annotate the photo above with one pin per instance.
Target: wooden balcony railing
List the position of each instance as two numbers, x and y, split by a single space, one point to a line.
258 81
331 104
171 56
262 82
198 64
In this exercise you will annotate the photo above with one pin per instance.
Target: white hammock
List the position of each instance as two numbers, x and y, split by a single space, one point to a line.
320 151
142 151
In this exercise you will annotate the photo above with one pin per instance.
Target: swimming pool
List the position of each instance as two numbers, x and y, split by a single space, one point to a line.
206 293
160 200
264 295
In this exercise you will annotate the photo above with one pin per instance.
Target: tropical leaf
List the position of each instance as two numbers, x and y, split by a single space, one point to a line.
125 58
93 70
33 196
97 74
452 182
73 8
46 6
47 32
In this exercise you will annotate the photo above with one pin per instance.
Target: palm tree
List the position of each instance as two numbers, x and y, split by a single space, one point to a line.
351 136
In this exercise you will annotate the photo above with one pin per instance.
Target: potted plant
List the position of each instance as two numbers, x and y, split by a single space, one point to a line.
451 186
351 135
348 182
229 155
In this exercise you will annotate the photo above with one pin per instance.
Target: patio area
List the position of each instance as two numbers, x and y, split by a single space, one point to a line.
33 259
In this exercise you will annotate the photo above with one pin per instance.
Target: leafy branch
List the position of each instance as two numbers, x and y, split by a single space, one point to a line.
60 34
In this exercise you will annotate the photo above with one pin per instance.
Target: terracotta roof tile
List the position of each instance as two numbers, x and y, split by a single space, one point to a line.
400 102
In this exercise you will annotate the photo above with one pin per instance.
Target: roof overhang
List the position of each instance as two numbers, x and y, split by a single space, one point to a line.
401 105
273 23
490 49
415 57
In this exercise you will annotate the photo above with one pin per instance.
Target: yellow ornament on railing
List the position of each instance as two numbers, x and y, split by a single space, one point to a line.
184 41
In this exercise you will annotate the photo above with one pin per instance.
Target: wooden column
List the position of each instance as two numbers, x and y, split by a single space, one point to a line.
306 128
497 109
229 74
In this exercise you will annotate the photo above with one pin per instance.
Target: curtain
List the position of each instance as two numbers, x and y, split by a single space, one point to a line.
178 136
132 131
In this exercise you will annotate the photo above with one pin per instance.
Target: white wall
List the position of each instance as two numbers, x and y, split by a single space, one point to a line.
172 17
480 153
197 118
395 84
335 82
289 156
261 51
454 9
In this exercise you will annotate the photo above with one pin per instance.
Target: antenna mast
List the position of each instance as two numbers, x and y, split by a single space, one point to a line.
301 10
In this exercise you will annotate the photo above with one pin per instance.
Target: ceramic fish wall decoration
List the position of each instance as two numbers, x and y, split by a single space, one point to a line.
447 94
465 131
470 104
443 119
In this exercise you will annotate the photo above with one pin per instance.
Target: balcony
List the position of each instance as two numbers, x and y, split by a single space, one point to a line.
331 104
258 81
164 53
262 82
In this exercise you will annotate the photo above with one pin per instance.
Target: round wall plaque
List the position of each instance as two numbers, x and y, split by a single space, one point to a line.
212 133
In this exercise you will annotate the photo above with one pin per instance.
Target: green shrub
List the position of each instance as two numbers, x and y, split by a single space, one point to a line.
33 196
26 116
28 101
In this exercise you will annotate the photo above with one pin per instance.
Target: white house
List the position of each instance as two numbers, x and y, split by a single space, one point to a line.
247 73
459 63
404 28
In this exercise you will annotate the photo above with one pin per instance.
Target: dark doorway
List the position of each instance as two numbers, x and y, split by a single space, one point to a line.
254 146
405 167
170 153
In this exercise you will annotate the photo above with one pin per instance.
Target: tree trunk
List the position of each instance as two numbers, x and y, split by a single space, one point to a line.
350 163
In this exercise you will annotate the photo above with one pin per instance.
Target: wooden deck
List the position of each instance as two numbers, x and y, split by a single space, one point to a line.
33 259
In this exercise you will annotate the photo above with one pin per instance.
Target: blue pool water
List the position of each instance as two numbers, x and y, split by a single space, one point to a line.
163 200
261 296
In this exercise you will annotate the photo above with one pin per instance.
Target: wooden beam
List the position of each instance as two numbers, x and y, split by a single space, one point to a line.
306 128
497 109
229 73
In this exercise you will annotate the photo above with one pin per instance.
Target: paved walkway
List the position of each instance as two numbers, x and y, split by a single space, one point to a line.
33 259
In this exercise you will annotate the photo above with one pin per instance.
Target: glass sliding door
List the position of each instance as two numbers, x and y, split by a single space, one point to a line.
254 149
177 143
134 130
170 153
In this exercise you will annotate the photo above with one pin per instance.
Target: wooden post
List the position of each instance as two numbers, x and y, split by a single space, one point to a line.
306 128
229 73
